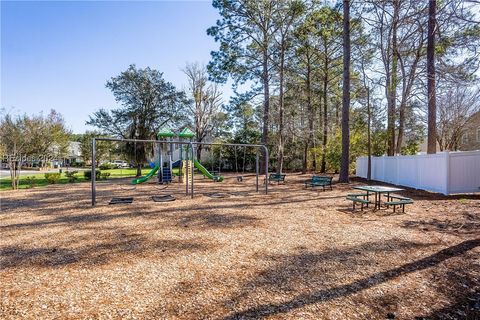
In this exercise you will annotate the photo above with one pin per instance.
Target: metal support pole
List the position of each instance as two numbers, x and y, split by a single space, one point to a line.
160 163
93 175
192 165
186 177
180 167
266 169
170 159
256 170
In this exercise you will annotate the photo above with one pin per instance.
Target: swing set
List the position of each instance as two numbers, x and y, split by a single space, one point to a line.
190 150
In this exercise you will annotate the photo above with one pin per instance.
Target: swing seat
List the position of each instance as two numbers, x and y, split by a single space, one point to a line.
163 198
121 200
217 195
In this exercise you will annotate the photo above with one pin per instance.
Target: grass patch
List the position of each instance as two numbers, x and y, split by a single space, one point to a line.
40 181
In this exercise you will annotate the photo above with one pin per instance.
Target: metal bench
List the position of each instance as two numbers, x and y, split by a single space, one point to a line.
397 201
362 198
277 177
396 197
319 181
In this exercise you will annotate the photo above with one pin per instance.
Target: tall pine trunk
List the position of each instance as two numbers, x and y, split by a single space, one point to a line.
392 87
311 116
369 137
266 105
281 111
432 108
325 118
344 162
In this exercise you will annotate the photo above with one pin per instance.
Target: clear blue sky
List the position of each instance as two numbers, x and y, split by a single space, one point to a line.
58 55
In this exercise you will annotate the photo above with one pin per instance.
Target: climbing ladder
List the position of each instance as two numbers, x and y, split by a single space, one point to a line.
186 169
166 175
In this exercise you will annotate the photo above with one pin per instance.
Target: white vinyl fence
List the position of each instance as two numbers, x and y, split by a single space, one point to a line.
445 172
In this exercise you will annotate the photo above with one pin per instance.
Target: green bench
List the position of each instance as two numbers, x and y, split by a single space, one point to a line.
397 201
277 177
319 181
361 198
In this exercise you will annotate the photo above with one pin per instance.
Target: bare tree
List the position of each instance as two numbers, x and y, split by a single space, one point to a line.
385 21
411 50
454 108
207 100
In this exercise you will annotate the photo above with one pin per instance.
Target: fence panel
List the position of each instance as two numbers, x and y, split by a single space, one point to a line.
447 173
464 172
408 168
362 166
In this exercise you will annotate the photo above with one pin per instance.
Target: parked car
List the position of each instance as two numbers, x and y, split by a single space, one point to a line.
120 164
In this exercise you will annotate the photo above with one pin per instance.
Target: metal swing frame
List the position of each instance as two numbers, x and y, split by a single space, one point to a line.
189 187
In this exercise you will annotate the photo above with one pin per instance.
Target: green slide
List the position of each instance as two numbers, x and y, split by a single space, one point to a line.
205 172
146 177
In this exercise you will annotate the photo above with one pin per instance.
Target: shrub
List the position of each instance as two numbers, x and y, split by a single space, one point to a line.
52 178
106 166
88 174
71 175
79 164
104 175
31 182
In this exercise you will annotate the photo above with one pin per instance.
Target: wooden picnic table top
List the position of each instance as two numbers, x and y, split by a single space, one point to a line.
377 189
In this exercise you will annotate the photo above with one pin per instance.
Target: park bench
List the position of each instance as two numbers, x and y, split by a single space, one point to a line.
277 177
319 181
361 198
397 201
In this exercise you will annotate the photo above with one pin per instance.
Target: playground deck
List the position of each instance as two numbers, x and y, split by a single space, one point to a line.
291 254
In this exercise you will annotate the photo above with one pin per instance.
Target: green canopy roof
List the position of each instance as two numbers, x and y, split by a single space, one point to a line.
186 133
165 133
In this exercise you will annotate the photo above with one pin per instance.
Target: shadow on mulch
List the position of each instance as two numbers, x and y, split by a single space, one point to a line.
214 220
144 209
468 224
297 268
466 306
103 252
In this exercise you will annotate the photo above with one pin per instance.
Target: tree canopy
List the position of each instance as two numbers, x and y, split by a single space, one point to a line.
147 103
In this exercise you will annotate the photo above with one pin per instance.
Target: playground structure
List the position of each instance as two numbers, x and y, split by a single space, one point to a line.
164 169
186 162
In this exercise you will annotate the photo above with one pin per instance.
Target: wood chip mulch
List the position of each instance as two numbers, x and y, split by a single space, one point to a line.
291 254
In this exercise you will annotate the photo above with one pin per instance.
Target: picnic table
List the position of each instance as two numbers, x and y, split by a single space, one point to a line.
377 190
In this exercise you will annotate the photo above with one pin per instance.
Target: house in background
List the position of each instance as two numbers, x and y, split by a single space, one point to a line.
471 137
71 158
74 154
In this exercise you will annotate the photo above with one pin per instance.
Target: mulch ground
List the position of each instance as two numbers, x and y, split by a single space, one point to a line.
232 253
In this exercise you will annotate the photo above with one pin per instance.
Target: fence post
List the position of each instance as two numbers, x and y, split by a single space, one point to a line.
396 169
384 161
447 174
417 178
